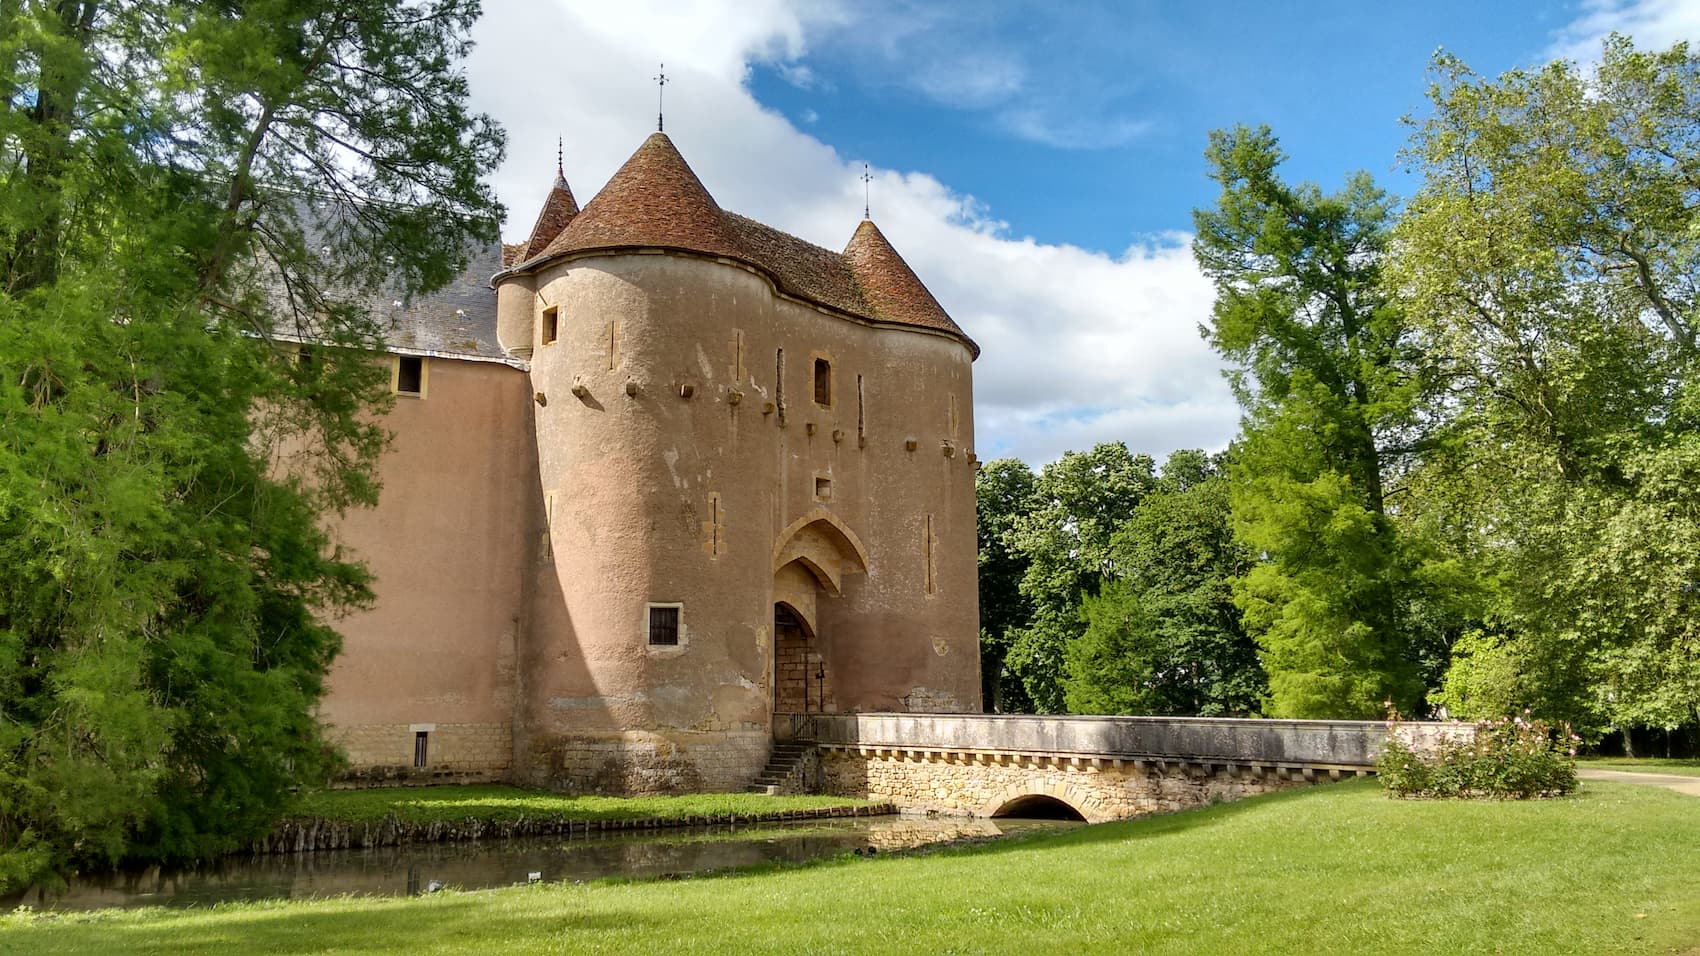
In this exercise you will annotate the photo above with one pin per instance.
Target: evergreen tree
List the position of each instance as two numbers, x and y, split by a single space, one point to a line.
1321 363
182 184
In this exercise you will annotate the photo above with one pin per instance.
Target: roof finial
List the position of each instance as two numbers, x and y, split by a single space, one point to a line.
867 194
660 87
560 157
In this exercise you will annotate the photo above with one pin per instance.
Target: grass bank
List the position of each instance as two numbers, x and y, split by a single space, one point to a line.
501 804
1686 766
1337 868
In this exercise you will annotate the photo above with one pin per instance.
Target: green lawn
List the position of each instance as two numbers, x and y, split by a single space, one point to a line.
1337 868
434 804
1686 766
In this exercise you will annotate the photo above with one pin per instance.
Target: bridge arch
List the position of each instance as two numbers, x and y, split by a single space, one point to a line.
1038 806
1024 800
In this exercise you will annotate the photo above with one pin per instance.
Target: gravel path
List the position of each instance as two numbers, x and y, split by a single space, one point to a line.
1677 782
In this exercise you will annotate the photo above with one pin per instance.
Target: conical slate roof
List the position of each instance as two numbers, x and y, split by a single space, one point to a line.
656 201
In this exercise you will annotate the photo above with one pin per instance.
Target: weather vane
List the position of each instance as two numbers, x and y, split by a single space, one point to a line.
867 195
660 87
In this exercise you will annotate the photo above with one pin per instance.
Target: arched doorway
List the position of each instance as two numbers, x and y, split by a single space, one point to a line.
800 682
810 559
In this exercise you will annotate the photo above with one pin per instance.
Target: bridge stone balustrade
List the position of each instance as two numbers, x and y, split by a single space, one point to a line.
1103 768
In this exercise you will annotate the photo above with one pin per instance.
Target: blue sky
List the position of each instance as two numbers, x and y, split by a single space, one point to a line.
1088 127
1036 163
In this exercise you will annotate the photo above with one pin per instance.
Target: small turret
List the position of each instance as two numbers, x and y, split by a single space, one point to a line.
892 290
558 212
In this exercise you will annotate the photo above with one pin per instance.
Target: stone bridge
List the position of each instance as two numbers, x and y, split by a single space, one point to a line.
1099 768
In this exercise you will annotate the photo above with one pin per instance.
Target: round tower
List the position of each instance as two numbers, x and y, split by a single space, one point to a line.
755 473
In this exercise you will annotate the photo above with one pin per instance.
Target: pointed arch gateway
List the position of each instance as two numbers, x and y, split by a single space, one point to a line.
823 544
811 556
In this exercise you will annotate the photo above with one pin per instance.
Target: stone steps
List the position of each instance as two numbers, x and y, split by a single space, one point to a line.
780 764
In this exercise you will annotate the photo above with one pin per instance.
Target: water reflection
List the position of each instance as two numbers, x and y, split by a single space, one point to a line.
393 871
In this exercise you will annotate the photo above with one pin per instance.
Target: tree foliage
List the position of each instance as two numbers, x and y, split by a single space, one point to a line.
1079 502
1322 363
182 184
1470 438
1165 637
1003 492
1552 260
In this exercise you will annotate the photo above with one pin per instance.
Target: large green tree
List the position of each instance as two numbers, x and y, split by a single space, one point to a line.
1320 360
1079 502
1003 491
1165 637
1552 261
181 184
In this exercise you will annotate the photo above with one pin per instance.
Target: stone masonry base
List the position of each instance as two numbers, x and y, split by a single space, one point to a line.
645 763
384 753
1098 789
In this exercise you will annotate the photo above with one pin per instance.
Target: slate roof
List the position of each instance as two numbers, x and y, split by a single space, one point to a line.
456 321
656 201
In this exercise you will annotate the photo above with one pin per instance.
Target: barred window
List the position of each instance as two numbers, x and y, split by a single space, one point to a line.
664 625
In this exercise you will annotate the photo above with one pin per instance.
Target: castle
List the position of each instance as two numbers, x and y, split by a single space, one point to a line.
659 474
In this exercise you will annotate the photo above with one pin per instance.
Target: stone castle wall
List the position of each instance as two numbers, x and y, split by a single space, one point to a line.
466 751
641 763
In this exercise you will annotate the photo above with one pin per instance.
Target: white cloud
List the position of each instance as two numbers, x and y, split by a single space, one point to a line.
1052 129
1079 347
961 57
1653 24
971 81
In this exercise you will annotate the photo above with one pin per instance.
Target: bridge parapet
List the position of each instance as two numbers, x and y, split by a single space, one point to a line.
1350 745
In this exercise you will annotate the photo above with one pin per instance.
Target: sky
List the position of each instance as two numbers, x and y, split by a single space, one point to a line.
1036 163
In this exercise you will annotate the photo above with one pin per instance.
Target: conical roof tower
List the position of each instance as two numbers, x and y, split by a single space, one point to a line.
653 200
892 290
559 209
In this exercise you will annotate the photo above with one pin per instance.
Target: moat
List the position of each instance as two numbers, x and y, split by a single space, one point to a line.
424 868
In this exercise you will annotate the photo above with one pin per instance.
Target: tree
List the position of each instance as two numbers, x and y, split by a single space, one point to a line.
1551 260
1080 500
1003 492
1165 637
183 184
1321 362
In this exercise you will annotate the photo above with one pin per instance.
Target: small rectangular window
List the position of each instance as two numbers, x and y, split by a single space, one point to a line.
421 740
551 324
823 488
664 625
823 382
410 375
